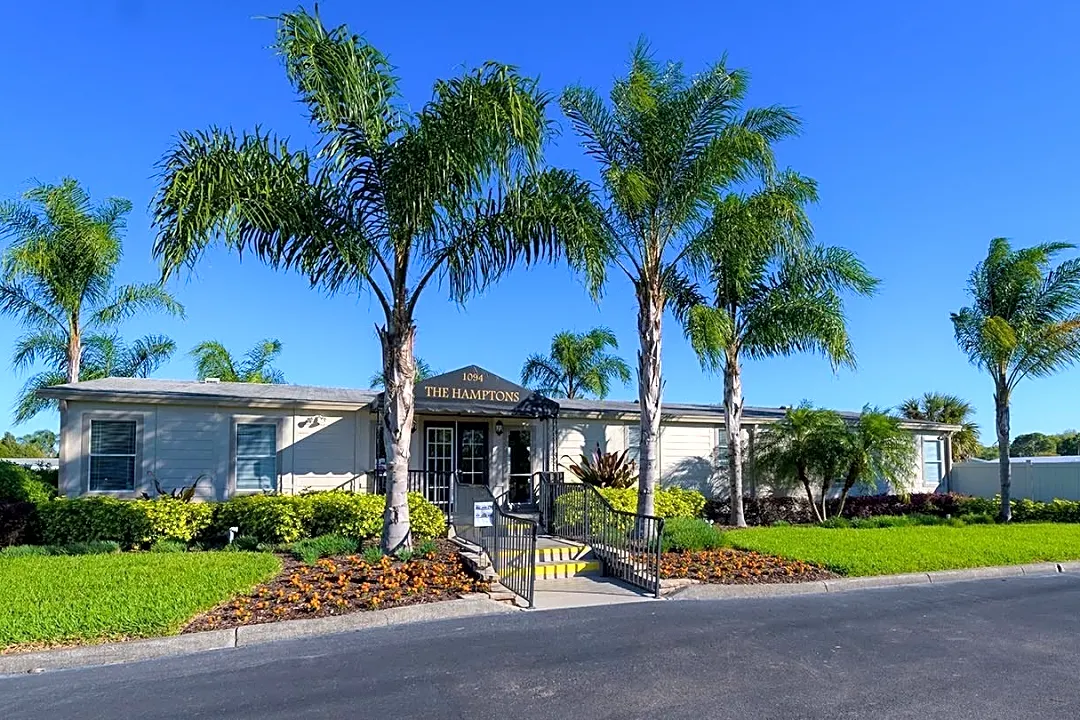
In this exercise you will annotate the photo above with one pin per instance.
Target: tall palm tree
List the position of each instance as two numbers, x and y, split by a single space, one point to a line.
950 410
1024 321
212 359
666 146
769 292
578 365
423 372
391 201
57 280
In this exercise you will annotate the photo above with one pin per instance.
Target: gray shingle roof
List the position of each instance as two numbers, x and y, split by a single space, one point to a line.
254 394
153 389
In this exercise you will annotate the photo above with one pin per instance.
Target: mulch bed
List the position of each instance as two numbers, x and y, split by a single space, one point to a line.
340 585
738 567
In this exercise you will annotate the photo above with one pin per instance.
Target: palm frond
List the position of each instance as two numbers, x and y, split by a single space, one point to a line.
146 355
130 300
27 403
46 346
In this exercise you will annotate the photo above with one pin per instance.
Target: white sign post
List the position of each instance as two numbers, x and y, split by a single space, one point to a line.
482 513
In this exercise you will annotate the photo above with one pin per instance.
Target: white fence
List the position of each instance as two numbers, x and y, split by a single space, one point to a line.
1038 479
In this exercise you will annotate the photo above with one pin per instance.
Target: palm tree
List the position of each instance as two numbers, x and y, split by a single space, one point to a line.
801 447
102 355
666 146
213 360
423 372
875 448
1024 321
57 280
949 410
578 365
769 292
391 201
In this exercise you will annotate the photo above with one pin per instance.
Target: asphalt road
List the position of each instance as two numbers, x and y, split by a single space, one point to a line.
987 649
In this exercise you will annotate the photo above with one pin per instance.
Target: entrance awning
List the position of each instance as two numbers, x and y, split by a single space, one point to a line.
472 390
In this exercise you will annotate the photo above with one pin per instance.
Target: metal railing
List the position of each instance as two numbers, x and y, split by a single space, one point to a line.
627 544
510 542
437 487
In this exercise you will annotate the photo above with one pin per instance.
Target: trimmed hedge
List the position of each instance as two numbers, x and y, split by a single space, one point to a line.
670 502
18 523
795 510
129 522
270 519
20 484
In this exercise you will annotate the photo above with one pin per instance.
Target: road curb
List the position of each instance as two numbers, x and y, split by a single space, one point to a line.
723 592
245 636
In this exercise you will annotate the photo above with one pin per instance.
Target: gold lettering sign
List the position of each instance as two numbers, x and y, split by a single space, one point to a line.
456 393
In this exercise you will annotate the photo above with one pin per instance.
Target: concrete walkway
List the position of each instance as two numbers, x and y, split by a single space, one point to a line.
584 591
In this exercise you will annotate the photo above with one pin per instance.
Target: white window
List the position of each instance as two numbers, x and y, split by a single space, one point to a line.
932 460
256 456
112 455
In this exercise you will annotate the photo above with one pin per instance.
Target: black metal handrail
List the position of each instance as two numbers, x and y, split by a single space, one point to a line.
437 487
510 543
627 544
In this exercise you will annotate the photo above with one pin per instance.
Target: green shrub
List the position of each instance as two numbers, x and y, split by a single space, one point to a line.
168 546
425 518
267 518
93 547
344 513
373 554
310 550
19 484
244 543
835 522
426 548
980 519
670 502
405 555
65 521
24 551
132 523
690 535
172 519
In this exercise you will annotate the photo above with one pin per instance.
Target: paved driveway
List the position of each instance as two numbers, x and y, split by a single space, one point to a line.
987 649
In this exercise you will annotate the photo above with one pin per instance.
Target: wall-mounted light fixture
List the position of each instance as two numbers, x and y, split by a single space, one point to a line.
498 427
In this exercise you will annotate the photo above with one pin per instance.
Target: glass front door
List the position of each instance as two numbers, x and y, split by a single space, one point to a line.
519 442
439 448
473 453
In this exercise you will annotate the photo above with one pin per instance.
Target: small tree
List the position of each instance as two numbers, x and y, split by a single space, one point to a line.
876 449
213 360
578 365
1023 322
804 449
1034 444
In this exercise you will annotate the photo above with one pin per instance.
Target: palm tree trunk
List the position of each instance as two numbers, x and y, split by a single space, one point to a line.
733 409
1001 404
805 480
849 482
74 350
650 316
399 368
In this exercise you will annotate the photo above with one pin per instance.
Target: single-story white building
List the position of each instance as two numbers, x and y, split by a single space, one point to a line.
471 428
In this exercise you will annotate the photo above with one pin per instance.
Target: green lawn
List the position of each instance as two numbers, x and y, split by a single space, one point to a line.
88 597
882 551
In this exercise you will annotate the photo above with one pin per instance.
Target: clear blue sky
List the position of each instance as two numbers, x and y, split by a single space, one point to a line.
930 129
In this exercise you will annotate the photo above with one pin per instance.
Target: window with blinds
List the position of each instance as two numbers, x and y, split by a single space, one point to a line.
256 457
932 461
112 455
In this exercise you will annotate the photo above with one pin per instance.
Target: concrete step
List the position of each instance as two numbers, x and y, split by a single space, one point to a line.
566 569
